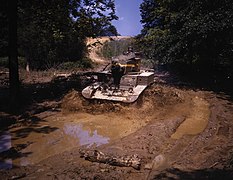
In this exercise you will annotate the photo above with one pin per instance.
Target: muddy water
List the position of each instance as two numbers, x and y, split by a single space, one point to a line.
5 144
196 121
84 136
51 134
62 132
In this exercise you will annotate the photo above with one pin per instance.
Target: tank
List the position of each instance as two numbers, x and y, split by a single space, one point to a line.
123 80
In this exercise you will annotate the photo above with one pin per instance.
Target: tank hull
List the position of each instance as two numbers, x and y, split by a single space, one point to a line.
131 86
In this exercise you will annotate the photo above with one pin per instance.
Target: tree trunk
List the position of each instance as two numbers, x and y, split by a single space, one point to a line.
13 54
28 66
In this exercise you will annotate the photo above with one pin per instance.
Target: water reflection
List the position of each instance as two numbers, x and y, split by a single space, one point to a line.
85 137
37 146
6 164
5 141
5 144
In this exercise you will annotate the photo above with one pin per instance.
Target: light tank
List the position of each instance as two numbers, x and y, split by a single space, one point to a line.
123 80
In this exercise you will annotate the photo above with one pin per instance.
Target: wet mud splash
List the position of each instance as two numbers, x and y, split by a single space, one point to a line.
196 121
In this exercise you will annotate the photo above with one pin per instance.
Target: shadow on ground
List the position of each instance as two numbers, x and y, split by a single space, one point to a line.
197 174
218 82
35 98
9 150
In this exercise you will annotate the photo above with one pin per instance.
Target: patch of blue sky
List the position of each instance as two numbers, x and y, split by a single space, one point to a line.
128 12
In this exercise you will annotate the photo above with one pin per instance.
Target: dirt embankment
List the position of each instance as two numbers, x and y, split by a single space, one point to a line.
177 133
95 45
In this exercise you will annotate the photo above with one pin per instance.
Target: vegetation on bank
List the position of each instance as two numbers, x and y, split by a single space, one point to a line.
193 37
115 48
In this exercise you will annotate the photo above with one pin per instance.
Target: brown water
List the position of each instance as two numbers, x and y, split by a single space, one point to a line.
196 121
62 132
51 134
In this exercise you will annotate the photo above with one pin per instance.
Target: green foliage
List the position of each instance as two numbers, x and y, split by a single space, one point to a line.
93 16
156 16
5 63
83 64
108 30
115 47
51 32
3 29
197 33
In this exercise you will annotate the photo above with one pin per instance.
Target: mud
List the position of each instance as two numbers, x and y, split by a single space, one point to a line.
196 121
178 133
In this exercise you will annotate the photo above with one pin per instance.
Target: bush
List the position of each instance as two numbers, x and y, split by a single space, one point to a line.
4 62
83 64
115 48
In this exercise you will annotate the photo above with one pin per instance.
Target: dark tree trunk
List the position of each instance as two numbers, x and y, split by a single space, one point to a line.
13 54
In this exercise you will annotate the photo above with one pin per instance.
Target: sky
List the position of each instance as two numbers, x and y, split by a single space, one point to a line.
128 12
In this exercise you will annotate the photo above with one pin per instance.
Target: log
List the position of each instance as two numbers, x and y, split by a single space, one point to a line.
100 157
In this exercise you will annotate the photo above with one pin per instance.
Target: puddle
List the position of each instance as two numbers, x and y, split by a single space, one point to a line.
5 144
39 146
5 141
63 132
197 120
6 164
85 137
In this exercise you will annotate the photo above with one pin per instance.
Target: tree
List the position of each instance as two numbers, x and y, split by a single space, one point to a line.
51 32
202 32
3 29
190 32
156 16
93 16
13 55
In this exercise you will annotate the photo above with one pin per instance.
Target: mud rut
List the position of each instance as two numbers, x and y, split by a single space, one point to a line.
177 133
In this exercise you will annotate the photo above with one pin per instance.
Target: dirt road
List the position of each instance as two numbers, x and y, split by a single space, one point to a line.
177 132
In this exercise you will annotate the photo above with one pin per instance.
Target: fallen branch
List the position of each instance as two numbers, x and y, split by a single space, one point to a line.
98 156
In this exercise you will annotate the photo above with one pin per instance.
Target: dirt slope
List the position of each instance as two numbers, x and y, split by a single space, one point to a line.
95 44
